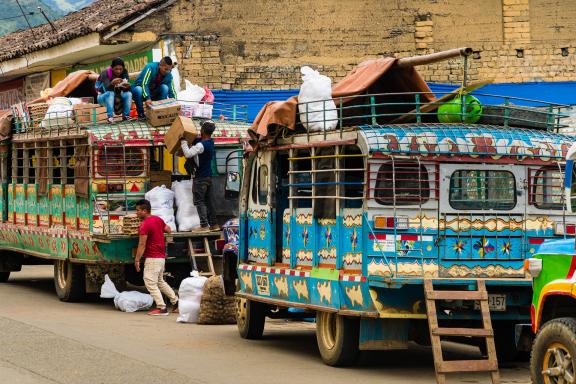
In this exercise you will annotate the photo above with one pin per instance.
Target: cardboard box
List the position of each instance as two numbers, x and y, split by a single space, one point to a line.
163 112
182 128
159 178
90 113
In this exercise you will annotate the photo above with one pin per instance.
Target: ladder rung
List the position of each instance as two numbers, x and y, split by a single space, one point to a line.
478 332
467 366
457 295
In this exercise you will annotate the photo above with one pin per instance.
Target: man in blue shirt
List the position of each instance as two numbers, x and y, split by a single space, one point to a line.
153 83
201 153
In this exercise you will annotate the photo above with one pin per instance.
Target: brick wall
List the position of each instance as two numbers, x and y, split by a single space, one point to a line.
261 44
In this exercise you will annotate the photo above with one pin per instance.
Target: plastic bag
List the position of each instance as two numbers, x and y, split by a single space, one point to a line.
317 109
60 113
128 301
208 96
190 296
160 197
186 215
192 94
166 214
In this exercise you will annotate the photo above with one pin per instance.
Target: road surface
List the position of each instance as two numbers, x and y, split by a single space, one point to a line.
45 341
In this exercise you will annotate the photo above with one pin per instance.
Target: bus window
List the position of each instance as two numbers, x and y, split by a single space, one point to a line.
69 163
547 190
301 189
117 161
325 183
18 166
254 183
482 189
55 167
352 176
263 186
402 183
30 166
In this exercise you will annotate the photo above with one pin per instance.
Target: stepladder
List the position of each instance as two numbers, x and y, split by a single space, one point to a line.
199 250
437 332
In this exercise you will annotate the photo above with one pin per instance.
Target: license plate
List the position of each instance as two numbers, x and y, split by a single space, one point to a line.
496 303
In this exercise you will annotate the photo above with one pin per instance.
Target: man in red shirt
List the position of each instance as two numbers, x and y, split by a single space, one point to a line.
151 247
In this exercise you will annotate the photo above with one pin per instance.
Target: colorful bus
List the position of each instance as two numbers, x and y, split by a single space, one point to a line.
68 192
348 223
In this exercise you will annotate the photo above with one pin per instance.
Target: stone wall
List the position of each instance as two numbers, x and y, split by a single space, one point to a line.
261 44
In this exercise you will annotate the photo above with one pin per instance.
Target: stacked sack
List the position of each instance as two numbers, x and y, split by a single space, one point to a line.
186 214
189 297
162 201
317 109
216 307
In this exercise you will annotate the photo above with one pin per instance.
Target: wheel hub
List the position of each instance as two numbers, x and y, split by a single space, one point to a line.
557 366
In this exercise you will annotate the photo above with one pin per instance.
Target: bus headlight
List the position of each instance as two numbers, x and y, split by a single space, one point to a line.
533 266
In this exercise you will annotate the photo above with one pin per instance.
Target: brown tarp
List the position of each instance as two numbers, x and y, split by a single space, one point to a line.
372 76
70 84
5 124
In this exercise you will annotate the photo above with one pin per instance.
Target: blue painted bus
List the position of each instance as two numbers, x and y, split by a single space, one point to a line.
346 223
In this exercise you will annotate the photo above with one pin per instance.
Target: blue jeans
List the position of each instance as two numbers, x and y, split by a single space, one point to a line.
160 93
107 100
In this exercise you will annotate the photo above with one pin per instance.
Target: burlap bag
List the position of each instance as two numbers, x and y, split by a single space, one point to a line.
216 307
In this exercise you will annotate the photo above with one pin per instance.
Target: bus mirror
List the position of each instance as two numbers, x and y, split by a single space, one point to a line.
232 188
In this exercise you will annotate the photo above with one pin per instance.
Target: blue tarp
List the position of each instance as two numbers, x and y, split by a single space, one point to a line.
563 92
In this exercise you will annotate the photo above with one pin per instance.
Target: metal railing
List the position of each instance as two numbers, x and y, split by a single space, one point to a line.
426 107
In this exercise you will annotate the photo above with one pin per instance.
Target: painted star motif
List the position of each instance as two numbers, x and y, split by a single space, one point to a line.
328 236
506 248
483 247
354 240
305 236
458 247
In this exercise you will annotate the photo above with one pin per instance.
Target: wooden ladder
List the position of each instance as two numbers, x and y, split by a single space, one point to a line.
204 253
453 366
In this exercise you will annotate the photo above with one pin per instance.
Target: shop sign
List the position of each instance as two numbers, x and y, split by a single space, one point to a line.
134 63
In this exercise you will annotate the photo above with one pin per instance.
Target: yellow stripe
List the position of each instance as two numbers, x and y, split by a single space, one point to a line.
564 286
146 77
173 89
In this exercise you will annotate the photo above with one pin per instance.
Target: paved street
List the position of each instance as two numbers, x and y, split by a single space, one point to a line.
43 340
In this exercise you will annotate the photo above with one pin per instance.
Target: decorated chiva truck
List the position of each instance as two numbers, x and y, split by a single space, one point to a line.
401 187
69 187
554 301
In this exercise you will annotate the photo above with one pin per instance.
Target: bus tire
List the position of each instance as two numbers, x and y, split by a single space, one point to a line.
554 352
69 281
250 318
337 338
4 276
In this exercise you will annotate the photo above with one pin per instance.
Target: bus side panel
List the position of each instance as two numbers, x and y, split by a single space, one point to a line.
11 208
70 214
32 205
56 205
20 204
84 215
351 239
44 210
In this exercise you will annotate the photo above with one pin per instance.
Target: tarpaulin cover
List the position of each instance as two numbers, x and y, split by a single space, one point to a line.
370 77
83 79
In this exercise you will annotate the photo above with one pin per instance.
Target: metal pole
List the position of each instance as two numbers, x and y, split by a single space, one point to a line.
433 57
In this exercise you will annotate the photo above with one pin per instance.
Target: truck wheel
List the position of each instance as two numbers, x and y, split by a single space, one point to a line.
554 353
69 280
4 276
250 317
337 338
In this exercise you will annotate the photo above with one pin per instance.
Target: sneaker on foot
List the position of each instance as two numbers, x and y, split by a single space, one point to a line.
200 230
175 308
215 228
127 118
159 312
110 120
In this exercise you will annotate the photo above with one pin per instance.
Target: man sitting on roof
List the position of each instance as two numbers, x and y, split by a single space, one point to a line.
153 83
112 83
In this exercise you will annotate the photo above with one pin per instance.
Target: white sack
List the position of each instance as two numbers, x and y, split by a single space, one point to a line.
186 215
189 297
166 214
160 197
132 301
317 109
129 301
192 94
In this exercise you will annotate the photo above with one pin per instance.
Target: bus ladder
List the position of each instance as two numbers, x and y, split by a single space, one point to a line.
454 366
203 252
